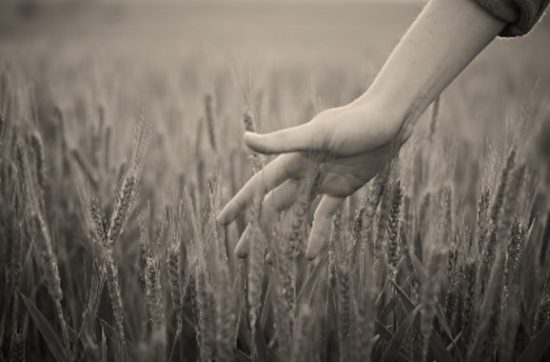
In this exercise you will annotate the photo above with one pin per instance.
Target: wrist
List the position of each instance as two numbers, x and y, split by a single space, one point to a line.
395 112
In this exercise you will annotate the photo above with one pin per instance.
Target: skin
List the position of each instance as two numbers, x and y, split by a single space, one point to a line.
352 143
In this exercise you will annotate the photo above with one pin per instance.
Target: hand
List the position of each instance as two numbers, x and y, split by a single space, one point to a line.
349 144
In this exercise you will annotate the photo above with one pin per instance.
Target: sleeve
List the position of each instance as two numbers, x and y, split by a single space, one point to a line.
521 15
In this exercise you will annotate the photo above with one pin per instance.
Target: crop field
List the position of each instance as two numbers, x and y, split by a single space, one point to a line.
121 140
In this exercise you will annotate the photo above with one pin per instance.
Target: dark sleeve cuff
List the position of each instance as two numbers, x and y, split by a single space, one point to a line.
521 15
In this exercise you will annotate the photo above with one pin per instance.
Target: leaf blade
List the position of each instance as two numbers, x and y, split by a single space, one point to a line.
46 330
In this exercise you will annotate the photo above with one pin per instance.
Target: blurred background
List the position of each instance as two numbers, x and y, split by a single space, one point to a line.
162 57
349 39
77 76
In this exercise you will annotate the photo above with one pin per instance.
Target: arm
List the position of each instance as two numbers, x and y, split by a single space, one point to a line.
443 40
359 139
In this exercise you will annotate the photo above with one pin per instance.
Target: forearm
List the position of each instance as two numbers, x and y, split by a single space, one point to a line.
443 40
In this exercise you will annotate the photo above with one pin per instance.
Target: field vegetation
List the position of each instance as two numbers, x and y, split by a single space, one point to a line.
117 153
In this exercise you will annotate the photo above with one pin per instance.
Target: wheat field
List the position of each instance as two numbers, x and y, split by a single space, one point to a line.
120 141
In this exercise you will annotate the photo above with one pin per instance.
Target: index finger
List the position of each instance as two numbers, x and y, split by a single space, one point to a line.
271 176
322 222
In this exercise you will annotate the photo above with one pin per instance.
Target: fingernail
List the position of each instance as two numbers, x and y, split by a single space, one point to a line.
241 254
310 256
220 219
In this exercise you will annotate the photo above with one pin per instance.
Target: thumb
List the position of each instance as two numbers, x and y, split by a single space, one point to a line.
305 137
322 221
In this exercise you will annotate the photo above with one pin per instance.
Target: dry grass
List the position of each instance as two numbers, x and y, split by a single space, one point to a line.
110 249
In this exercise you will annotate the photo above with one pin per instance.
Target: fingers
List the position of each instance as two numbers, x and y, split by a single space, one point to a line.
241 249
305 137
276 201
269 177
322 221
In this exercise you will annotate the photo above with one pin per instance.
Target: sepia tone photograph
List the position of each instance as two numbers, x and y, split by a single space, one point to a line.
274 180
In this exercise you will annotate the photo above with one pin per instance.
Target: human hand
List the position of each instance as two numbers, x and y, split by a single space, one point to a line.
349 145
